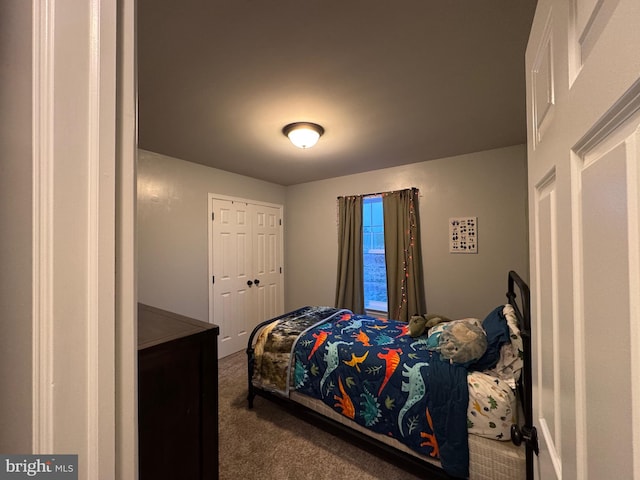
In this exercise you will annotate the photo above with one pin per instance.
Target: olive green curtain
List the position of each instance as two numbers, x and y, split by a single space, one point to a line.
405 284
350 282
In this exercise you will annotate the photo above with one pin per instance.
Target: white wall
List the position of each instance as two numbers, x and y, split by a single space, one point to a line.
173 216
491 185
15 225
172 228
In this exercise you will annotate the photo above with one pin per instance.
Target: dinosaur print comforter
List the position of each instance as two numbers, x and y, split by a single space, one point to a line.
373 372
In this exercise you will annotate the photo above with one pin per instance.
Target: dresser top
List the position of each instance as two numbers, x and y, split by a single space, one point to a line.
156 326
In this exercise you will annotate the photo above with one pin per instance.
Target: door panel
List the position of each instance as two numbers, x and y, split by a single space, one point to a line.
583 118
267 267
245 256
542 83
604 194
590 17
231 271
545 372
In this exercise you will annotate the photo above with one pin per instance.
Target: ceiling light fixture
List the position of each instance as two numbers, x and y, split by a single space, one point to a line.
303 134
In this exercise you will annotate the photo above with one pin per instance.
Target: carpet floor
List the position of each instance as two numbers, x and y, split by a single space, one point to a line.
269 442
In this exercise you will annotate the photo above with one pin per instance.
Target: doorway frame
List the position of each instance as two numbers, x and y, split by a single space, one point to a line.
84 153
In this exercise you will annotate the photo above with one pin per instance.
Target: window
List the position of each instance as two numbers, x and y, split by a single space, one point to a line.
374 268
363 230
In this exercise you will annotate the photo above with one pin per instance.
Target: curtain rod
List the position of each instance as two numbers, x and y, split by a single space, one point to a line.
416 189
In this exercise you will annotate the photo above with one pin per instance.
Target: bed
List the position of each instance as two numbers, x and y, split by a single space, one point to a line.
452 399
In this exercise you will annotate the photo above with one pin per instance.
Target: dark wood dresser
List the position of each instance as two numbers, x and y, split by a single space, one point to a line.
177 396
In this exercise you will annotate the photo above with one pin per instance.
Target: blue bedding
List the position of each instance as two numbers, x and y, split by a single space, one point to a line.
373 372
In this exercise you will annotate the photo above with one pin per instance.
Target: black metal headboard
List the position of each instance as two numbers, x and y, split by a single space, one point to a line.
520 299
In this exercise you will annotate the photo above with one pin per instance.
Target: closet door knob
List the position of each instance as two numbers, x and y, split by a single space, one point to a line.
249 282
256 281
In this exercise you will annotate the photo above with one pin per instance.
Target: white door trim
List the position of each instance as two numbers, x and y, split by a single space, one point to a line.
42 251
211 196
76 66
101 161
126 301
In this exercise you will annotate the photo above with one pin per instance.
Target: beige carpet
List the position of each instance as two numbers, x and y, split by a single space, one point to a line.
268 442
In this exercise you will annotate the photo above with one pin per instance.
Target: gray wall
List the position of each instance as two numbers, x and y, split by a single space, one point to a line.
491 185
172 228
15 225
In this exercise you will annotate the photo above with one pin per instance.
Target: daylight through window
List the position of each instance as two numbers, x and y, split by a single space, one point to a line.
375 272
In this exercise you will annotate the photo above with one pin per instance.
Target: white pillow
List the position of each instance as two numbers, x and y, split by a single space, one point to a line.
491 409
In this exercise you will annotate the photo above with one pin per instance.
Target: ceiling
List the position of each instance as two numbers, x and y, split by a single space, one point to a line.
392 82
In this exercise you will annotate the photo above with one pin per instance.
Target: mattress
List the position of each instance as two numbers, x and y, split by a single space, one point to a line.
488 459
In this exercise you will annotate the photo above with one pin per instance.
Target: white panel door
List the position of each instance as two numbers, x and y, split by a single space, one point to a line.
583 120
232 307
267 263
245 255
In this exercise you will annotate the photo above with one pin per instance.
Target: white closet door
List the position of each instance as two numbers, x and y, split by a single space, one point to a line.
245 252
232 306
583 99
266 261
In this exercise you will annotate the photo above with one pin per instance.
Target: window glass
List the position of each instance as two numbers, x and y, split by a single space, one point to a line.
375 272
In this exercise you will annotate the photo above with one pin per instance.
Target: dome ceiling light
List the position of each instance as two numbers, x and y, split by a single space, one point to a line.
303 134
